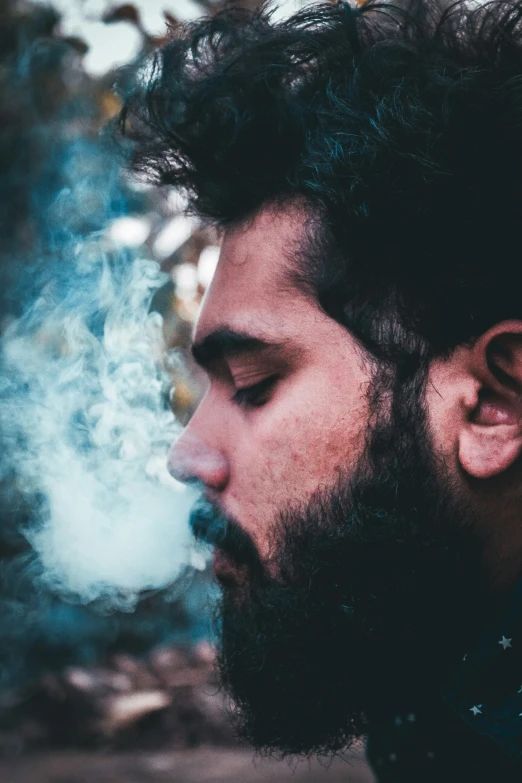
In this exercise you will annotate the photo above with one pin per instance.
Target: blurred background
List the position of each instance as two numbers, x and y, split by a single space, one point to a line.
99 683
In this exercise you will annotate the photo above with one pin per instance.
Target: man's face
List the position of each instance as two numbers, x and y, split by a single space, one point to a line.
257 450
347 565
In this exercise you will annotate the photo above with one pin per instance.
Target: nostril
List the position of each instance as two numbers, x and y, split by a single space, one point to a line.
182 475
192 461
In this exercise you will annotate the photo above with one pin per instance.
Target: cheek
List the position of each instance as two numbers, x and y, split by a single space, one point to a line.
276 459
300 446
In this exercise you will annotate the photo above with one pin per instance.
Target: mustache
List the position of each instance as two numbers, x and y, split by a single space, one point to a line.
210 526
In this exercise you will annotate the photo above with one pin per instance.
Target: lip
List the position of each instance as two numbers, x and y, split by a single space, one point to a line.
227 572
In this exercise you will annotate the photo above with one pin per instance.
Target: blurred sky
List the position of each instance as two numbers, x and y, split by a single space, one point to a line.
116 44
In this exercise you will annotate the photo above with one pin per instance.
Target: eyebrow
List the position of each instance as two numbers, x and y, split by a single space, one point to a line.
225 343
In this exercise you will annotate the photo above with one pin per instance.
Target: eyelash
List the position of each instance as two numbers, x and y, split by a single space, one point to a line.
253 396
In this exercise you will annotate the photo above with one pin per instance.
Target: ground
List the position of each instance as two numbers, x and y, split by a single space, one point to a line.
155 719
203 765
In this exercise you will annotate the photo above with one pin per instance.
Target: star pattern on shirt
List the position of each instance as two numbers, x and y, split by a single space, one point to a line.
484 690
505 642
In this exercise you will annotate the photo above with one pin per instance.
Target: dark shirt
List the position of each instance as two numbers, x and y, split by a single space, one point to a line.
469 730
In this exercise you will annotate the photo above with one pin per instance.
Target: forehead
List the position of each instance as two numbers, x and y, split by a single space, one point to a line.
251 284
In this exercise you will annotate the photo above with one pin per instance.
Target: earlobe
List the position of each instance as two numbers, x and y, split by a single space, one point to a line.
486 451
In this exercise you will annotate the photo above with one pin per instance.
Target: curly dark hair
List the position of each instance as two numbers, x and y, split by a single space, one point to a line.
397 125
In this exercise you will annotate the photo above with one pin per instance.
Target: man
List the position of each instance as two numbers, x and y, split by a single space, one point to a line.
359 445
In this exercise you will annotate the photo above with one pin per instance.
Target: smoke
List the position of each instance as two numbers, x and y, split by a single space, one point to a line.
89 517
86 428
84 409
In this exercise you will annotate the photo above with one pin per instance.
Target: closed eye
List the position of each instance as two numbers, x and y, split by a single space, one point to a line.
256 395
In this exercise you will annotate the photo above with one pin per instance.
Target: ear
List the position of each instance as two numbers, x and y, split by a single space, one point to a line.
490 440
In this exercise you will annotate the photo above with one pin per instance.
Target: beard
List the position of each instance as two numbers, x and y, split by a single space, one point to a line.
373 593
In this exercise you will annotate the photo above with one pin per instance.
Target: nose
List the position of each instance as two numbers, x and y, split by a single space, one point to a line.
192 460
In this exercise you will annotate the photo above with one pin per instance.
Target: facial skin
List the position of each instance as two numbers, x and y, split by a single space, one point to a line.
361 547
254 459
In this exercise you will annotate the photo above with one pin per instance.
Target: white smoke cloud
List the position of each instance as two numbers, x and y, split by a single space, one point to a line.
86 432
